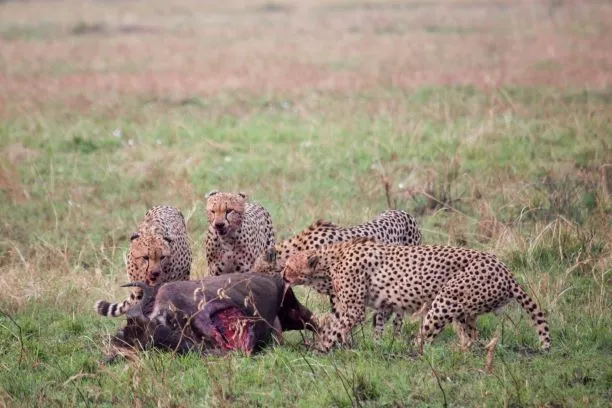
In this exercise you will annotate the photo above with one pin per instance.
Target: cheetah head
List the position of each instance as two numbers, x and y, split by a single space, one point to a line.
266 263
302 268
225 211
148 256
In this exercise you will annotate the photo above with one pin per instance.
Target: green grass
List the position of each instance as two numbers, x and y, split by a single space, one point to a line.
489 121
522 184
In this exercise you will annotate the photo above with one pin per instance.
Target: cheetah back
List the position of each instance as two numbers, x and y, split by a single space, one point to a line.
394 227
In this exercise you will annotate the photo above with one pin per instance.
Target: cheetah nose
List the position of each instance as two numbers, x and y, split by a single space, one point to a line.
155 274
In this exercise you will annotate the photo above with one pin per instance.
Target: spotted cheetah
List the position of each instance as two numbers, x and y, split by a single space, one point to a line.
159 252
239 231
459 284
390 227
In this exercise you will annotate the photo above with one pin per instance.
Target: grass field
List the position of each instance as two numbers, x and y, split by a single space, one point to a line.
490 121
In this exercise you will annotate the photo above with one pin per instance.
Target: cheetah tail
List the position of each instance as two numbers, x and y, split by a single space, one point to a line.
536 314
104 308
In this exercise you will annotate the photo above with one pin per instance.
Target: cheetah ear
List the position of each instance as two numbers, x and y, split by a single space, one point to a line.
168 239
211 193
134 236
243 195
271 255
313 261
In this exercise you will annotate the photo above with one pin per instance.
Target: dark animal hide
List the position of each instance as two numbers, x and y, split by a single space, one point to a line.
233 312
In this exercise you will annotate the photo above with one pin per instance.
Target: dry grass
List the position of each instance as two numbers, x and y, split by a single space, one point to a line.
87 53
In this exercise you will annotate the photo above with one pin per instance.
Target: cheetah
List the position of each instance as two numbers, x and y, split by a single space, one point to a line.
159 252
239 231
459 284
390 227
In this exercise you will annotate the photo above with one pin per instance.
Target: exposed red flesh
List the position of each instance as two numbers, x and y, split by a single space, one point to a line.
234 329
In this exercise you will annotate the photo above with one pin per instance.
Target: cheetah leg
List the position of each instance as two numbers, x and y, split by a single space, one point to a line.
398 322
334 330
328 335
347 321
465 327
332 302
457 302
381 317
464 340
418 316
470 321
435 320
350 311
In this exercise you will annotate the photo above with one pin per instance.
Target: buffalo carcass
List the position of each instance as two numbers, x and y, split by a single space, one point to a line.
240 311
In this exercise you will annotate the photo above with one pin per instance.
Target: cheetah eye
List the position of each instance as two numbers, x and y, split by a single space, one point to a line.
146 257
162 257
229 211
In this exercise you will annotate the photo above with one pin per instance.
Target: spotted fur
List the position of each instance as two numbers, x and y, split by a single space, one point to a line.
390 227
459 284
159 252
238 232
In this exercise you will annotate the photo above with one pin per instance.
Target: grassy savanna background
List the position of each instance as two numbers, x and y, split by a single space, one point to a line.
489 121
